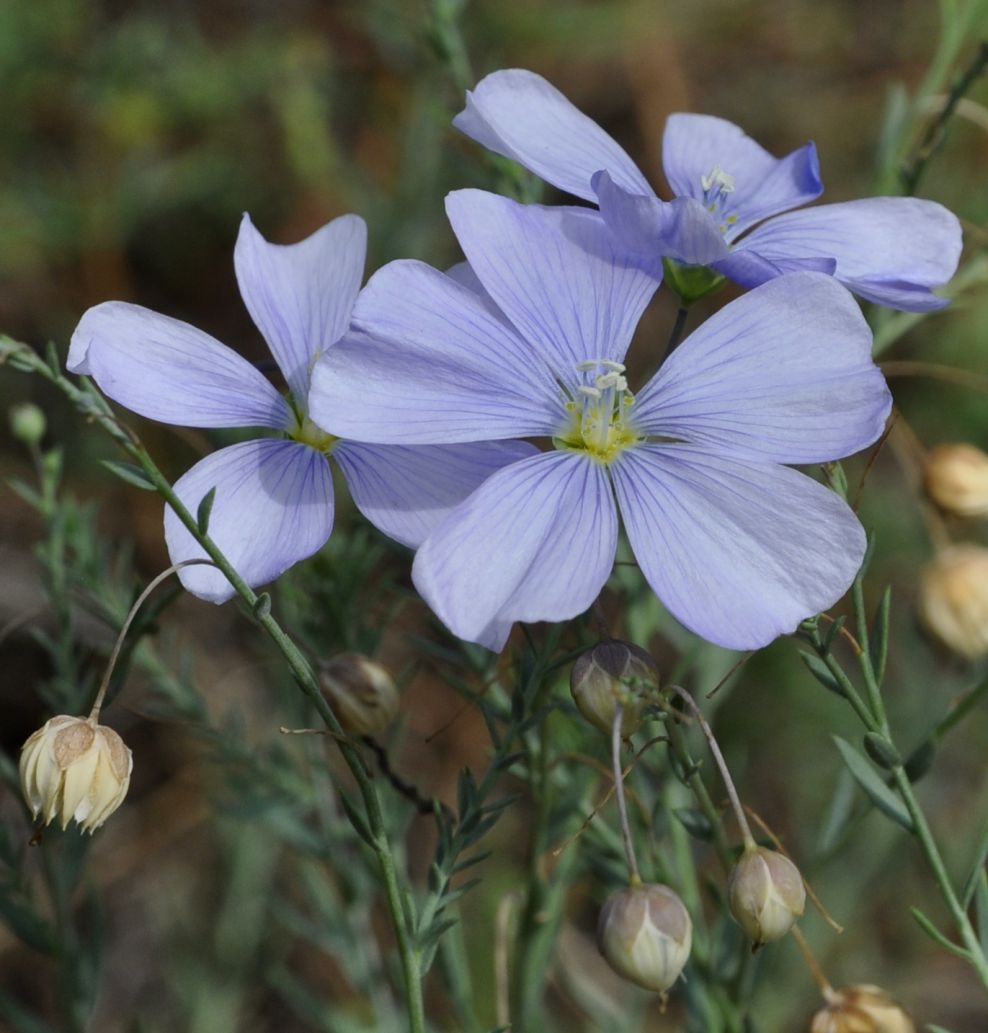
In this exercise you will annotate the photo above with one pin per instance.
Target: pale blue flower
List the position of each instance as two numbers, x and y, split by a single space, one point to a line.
733 199
530 341
274 495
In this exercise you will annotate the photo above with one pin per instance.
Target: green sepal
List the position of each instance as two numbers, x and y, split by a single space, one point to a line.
691 282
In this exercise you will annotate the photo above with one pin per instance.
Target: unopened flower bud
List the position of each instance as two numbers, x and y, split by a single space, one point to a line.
75 769
645 933
27 423
613 673
956 478
953 599
766 894
861 1009
362 693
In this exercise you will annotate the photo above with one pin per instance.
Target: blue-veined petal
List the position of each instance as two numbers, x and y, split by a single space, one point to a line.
557 274
431 362
782 374
167 370
902 244
746 266
682 229
518 114
273 507
301 295
739 553
535 541
697 146
407 491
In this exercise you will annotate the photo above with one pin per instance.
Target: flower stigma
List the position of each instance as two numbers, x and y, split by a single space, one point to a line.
598 414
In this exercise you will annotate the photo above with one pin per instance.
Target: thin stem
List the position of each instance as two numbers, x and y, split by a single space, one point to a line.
813 965
629 847
118 645
95 407
725 774
699 789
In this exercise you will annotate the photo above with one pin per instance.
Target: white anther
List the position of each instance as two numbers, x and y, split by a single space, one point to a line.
614 367
615 380
724 181
587 364
590 392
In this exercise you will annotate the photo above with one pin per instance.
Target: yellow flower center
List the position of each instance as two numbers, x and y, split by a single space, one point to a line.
598 417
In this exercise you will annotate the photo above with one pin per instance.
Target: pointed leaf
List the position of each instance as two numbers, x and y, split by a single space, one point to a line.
821 672
870 781
130 473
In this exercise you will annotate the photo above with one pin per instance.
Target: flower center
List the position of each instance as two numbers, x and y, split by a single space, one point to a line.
598 421
305 432
717 186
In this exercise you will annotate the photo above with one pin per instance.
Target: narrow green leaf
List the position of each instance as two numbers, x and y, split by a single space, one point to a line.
981 908
262 605
130 473
357 820
881 751
696 823
934 934
833 631
821 672
870 781
204 510
878 641
920 760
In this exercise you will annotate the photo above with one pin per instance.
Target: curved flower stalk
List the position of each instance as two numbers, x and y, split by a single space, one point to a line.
531 343
274 495
734 200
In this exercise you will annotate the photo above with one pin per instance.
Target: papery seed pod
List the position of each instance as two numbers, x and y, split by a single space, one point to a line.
956 478
861 1009
953 599
27 423
613 673
75 769
645 934
766 894
362 693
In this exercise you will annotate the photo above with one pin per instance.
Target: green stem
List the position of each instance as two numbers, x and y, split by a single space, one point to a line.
96 408
975 953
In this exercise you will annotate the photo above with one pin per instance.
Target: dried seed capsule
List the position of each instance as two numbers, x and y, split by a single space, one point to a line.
953 599
613 673
362 693
766 894
75 769
861 1009
645 933
956 478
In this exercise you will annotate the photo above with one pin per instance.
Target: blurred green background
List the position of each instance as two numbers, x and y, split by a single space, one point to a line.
132 138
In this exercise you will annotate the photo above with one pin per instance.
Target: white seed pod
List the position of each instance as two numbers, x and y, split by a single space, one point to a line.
645 935
76 770
610 674
956 478
766 894
861 1009
953 599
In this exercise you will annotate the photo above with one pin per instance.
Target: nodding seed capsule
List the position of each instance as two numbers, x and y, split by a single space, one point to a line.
766 894
610 674
953 599
76 770
861 1009
956 479
645 934
362 693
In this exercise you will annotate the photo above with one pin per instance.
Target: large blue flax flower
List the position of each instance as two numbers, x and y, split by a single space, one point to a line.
733 203
529 340
274 495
